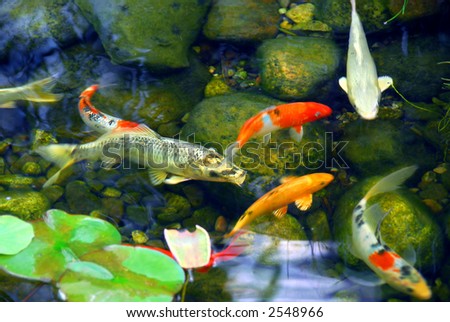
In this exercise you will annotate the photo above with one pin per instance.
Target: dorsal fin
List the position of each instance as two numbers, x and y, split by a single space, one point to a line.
141 129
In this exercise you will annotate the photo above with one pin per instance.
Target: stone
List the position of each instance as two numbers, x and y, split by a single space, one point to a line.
156 34
53 193
318 225
32 168
80 198
194 194
25 204
298 68
177 208
239 21
15 181
205 217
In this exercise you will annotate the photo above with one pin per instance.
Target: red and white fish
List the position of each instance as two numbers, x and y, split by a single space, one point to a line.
367 245
96 119
291 115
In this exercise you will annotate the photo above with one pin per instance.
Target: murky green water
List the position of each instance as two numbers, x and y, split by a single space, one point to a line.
197 70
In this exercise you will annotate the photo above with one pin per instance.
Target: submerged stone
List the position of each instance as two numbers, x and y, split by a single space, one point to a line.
177 208
298 68
26 204
205 217
409 223
80 198
236 20
15 181
156 34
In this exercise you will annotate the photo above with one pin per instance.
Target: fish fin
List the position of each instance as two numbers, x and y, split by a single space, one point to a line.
365 278
374 216
296 133
109 162
38 91
391 181
343 84
175 179
304 202
231 151
287 179
10 104
279 213
266 138
409 255
61 154
384 82
141 129
157 176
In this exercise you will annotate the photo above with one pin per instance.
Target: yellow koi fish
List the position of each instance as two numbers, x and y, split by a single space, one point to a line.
292 189
38 91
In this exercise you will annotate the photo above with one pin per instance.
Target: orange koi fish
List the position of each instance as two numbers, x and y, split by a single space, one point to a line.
96 119
368 246
292 189
291 115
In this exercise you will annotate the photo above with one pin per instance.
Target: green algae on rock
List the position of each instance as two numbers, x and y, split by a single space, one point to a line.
25 204
298 67
236 20
176 209
206 217
409 223
80 198
154 33
375 144
302 17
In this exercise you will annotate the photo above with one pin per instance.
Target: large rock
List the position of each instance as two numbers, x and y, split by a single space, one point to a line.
374 145
80 198
154 33
373 13
26 204
298 68
39 26
409 223
237 20
404 60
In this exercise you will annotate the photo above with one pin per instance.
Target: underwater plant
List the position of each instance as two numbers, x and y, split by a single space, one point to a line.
83 257
400 12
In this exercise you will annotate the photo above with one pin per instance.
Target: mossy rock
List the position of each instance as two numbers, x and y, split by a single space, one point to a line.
25 204
205 217
176 209
208 287
237 20
80 198
422 56
156 34
415 9
41 25
298 68
319 226
409 223
375 144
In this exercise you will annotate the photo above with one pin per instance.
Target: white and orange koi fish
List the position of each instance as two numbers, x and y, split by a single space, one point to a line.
292 189
96 119
290 115
367 245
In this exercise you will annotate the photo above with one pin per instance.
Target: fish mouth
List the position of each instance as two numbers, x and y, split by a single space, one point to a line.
240 180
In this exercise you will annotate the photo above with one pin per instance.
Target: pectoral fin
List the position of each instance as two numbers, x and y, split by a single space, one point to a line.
409 255
109 162
266 138
279 213
343 84
365 278
384 82
175 179
157 176
296 133
304 202
374 216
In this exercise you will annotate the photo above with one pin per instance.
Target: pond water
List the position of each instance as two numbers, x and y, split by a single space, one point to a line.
197 70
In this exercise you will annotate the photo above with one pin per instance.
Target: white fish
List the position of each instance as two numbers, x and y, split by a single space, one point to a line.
37 91
362 85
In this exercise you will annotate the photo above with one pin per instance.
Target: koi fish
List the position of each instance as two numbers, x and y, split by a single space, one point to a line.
169 160
96 119
291 115
362 85
33 92
368 246
292 189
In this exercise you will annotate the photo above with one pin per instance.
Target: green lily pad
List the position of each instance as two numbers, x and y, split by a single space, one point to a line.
191 250
60 239
122 273
15 234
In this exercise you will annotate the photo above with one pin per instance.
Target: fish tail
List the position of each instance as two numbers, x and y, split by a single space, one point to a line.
61 154
39 91
391 181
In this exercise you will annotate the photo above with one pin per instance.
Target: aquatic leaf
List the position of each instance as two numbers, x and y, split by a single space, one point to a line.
137 274
60 239
15 234
190 250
